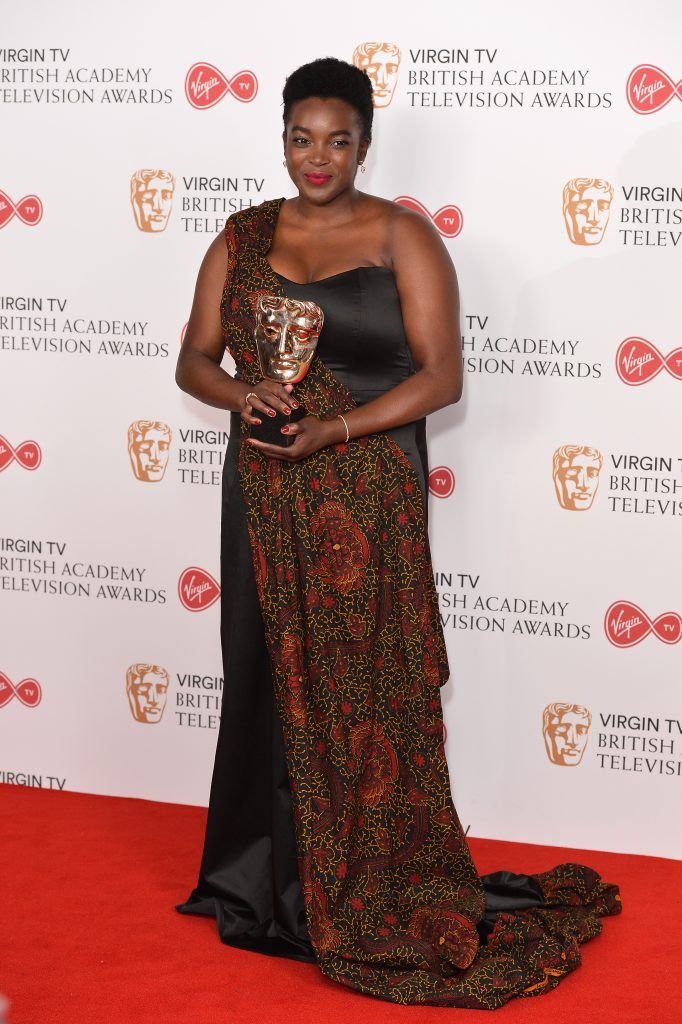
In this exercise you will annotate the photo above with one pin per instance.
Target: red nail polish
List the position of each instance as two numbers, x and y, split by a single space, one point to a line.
295 405
285 430
257 421
271 412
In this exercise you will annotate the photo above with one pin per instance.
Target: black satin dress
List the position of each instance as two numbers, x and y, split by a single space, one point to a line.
248 877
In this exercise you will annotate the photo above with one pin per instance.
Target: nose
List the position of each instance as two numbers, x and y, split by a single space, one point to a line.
156 200
317 156
284 346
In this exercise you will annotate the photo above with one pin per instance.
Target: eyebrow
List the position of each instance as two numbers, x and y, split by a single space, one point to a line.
300 128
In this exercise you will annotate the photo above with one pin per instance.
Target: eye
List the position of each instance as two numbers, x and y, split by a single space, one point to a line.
342 142
299 138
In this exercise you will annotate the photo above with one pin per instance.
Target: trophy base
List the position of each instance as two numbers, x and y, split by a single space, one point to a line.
270 429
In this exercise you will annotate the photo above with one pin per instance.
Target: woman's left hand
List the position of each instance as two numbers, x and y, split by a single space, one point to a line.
311 434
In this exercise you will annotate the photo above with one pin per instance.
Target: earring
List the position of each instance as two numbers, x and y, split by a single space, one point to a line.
284 163
362 168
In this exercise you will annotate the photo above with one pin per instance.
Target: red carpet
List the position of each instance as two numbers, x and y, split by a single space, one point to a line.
90 935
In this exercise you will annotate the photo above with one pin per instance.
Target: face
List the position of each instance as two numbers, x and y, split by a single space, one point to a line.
577 481
566 737
286 335
152 204
147 695
587 215
382 68
149 454
323 137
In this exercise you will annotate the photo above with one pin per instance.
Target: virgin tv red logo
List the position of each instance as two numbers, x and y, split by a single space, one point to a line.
649 89
626 624
27 454
448 219
441 481
29 210
28 691
206 85
197 589
638 361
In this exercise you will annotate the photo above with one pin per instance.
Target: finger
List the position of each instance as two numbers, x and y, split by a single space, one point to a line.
274 450
271 403
289 429
251 419
288 397
262 405
281 400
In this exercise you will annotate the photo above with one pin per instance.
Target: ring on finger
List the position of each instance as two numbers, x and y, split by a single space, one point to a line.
249 395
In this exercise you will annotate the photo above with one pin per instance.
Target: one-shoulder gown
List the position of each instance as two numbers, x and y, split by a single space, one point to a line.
248 877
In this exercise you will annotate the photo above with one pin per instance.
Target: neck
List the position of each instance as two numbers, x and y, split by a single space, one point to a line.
329 214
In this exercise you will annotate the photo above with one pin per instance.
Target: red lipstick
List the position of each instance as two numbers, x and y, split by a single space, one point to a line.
318 179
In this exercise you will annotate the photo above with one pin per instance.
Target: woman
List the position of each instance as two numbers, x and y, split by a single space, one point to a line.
331 833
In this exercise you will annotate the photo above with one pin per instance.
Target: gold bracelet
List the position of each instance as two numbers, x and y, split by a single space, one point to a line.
345 425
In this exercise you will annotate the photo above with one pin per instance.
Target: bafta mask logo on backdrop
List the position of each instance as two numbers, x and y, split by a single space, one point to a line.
586 207
638 361
149 447
381 62
449 219
28 210
147 689
151 197
27 454
197 589
28 692
649 89
441 481
206 85
565 728
625 625
575 471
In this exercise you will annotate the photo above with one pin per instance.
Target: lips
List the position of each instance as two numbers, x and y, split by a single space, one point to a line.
318 179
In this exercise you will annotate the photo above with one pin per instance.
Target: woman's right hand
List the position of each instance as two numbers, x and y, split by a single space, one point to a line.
267 397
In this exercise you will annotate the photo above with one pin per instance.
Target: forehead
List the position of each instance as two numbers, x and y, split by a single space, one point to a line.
568 717
285 315
150 432
379 53
579 459
322 113
589 193
154 184
151 677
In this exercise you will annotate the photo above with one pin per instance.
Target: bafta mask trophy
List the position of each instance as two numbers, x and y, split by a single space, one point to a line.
286 335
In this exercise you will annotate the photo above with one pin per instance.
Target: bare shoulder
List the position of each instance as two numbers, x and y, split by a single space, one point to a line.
215 257
410 234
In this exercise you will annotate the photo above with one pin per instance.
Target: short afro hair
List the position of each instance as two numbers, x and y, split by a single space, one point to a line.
327 77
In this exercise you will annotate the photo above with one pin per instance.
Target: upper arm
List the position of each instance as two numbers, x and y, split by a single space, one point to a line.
204 330
429 294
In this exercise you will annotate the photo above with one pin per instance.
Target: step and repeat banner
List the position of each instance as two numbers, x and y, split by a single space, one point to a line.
546 151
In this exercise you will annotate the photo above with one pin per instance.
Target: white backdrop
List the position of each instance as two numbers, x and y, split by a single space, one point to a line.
509 106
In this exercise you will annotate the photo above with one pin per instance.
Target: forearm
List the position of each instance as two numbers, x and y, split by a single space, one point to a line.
202 378
420 394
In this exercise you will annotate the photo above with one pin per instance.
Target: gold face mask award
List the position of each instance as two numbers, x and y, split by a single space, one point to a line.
286 336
